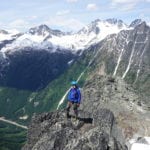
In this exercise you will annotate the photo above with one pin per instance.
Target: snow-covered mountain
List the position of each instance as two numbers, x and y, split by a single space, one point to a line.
8 35
90 34
44 37
44 30
42 54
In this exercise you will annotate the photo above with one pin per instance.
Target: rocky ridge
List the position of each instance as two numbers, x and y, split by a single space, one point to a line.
112 115
51 131
130 111
126 55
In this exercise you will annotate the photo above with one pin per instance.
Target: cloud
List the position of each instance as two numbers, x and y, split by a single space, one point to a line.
19 24
92 6
31 18
71 1
34 17
125 5
74 24
145 18
65 23
63 12
124 1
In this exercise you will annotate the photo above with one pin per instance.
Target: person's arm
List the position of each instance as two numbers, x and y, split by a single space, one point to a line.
68 97
79 96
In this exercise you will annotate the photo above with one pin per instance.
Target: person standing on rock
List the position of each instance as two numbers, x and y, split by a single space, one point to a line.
74 99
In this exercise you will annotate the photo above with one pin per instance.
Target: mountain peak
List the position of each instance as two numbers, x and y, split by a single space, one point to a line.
96 21
3 32
136 22
40 30
115 21
98 25
45 30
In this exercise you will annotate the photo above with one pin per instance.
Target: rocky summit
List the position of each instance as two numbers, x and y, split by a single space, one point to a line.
52 131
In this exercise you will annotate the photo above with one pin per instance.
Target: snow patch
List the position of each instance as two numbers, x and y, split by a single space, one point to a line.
118 62
24 117
147 139
62 99
5 37
130 62
139 66
70 62
34 38
142 143
9 35
30 99
139 146
36 104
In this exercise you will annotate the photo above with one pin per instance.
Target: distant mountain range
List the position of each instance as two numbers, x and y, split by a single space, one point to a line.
44 37
44 46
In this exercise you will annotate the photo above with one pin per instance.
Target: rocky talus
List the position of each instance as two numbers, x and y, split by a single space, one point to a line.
52 131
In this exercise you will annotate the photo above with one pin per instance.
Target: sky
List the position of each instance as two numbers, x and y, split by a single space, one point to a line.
69 15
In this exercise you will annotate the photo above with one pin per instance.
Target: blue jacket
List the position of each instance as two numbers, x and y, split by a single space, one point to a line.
74 95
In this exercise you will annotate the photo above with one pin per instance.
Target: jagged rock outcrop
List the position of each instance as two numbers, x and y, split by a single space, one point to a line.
51 131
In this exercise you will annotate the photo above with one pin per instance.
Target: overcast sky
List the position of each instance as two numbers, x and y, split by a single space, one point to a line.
68 15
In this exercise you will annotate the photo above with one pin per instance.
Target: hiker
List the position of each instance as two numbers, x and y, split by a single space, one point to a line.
74 98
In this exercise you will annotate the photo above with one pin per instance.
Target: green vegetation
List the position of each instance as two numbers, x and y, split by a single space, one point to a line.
11 137
12 100
15 103
51 95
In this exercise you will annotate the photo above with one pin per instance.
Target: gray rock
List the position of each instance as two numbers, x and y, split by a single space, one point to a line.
52 131
119 97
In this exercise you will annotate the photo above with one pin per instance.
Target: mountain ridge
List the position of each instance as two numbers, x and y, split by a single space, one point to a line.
43 33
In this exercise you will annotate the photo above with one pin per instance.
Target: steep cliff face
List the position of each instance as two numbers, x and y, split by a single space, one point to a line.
127 55
51 131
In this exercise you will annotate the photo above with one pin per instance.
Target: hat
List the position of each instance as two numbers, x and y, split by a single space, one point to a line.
73 82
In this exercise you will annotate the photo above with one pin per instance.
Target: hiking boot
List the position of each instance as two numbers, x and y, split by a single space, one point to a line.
68 116
75 118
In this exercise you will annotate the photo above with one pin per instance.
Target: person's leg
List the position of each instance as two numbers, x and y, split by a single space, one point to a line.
75 108
69 104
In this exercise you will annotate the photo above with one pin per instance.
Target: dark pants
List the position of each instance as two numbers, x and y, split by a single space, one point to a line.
75 108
